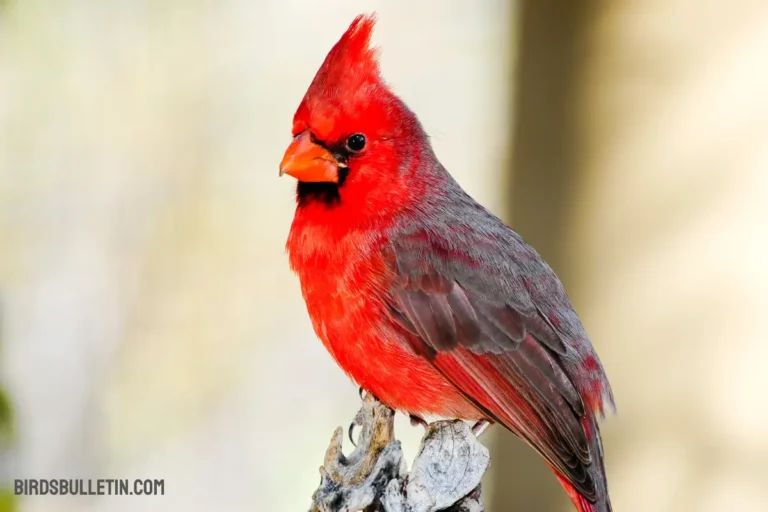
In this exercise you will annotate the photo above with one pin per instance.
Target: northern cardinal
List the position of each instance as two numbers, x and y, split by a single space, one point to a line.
421 295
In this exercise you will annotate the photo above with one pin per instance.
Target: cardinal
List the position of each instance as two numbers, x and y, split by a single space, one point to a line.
422 296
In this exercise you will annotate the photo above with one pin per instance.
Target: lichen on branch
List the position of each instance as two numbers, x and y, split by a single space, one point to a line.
445 475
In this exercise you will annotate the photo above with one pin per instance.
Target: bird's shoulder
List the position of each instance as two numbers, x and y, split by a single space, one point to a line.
459 240
460 243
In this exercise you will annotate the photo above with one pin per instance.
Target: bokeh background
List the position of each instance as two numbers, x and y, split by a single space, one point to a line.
151 327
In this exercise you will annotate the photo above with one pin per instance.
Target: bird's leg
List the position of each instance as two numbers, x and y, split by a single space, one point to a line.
416 421
479 427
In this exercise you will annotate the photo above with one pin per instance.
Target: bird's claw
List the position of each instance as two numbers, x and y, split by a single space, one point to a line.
416 421
351 432
357 422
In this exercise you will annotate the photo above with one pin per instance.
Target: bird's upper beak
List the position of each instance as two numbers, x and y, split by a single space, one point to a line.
307 161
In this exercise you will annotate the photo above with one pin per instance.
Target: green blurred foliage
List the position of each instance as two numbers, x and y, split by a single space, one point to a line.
7 501
7 498
6 420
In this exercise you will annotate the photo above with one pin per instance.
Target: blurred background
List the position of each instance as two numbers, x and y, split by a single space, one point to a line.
151 327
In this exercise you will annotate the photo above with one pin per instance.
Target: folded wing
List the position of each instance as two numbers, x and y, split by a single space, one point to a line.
501 352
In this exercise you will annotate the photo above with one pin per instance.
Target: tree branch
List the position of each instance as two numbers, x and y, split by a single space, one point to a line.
373 478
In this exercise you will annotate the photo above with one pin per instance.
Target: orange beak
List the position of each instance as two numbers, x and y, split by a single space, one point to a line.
308 162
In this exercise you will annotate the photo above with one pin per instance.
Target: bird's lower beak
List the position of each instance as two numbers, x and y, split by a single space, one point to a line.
307 161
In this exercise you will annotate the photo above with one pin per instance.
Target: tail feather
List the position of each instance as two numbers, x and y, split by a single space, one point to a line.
501 395
597 470
582 504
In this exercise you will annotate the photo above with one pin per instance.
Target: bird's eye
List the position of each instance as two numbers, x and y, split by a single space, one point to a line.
356 142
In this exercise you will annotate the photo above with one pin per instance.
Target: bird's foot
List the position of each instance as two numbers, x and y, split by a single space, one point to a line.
358 421
416 421
444 476
479 427
351 433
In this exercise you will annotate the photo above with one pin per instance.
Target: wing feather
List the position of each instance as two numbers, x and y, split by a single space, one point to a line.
505 358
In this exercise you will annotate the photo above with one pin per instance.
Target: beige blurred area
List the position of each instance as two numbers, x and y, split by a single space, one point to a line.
151 326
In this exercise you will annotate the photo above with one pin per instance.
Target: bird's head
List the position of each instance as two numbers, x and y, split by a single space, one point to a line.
353 138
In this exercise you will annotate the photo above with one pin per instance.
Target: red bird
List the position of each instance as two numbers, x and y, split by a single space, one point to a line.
421 295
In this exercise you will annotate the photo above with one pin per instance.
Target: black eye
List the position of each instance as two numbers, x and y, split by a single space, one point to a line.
356 142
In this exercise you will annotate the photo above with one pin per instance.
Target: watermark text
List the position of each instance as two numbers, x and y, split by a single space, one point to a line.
89 487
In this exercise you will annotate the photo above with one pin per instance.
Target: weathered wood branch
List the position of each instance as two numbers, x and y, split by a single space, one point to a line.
373 478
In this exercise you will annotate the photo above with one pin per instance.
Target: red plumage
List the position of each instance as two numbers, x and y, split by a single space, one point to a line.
422 296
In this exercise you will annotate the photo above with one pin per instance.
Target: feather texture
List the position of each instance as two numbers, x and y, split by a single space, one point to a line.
510 362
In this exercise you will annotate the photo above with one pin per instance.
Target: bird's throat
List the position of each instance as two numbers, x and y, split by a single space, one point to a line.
323 193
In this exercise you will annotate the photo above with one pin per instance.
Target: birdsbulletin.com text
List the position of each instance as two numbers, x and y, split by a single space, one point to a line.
88 487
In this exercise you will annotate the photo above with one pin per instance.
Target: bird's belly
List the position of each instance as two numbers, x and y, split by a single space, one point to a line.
398 377
354 325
